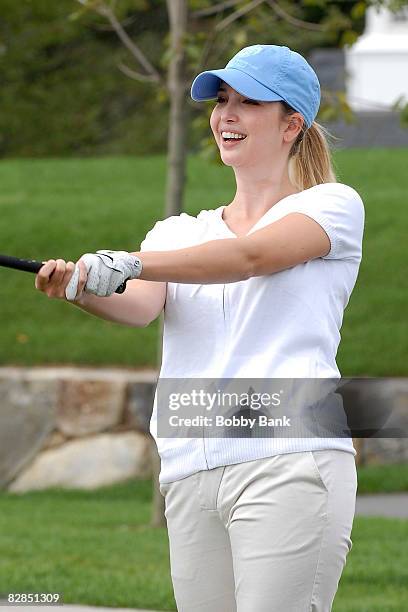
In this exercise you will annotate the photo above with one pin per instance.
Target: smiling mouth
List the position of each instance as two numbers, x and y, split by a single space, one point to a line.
231 141
233 138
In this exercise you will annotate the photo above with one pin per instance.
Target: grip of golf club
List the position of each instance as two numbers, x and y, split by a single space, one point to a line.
31 265
26 265
121 288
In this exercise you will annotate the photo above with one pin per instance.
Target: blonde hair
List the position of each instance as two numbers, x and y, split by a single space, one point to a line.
310 158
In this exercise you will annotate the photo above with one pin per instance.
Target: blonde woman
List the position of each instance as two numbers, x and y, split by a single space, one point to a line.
255 288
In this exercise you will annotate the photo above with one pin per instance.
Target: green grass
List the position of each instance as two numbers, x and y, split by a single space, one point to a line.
96 547
383 478
92 547
375 577
63 208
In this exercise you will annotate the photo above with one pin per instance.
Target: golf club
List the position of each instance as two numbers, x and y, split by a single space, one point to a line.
31 265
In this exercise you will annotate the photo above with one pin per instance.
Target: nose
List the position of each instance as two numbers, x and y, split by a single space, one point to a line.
229 110
230 105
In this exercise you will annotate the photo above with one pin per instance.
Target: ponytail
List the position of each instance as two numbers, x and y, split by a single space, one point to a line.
310 161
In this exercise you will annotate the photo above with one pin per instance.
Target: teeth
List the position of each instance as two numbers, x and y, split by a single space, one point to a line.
232 135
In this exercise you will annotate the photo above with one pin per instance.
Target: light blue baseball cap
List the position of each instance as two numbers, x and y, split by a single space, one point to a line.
266 73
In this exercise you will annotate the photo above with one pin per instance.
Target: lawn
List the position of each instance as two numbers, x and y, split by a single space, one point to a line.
387 478
63 208
96 547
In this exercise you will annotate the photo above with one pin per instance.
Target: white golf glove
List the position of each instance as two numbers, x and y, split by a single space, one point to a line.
108 272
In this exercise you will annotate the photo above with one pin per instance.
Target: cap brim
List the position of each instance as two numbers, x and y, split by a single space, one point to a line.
205 86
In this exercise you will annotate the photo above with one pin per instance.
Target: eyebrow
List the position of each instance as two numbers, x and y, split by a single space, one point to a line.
223 89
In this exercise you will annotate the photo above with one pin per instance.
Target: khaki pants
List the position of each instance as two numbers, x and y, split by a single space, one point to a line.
269 535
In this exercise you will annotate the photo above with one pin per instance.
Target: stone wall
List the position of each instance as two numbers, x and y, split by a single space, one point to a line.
74 427
83 427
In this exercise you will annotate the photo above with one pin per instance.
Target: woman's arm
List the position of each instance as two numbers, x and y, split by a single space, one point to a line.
138 306
294 239
216 261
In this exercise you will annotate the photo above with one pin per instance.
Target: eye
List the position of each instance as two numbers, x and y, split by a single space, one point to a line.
221 100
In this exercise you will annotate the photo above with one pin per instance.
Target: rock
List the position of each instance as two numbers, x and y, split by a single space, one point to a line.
27 412
139 406
54 439
89 406
88 463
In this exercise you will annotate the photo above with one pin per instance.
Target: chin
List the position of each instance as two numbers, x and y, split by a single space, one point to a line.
226 162
229 160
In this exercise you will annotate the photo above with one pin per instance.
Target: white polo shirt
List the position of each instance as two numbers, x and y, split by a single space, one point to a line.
282 325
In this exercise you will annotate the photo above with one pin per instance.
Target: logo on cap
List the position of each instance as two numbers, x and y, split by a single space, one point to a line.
238 62
254 50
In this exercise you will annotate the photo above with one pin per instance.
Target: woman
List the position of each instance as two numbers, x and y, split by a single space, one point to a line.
255 289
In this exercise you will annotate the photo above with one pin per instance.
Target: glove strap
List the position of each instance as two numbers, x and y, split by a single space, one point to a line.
138 266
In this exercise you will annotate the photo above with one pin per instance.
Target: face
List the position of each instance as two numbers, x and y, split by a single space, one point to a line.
267 137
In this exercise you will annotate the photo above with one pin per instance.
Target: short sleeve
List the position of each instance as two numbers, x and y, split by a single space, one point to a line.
339 209
164 235
175 232
157 239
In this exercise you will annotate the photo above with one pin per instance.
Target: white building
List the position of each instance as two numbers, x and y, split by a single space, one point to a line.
377 64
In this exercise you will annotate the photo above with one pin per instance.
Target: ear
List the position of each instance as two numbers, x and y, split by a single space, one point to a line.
293 128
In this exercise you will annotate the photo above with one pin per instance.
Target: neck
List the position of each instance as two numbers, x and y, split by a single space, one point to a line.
256 195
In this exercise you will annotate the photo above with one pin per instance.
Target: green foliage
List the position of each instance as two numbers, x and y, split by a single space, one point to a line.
62 93
358 10
348 38
315 3
404 116
401 106
240 38
195 5
393 5
193 42
334 105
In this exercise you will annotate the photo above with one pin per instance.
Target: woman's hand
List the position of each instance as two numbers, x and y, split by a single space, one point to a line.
107 273
55 275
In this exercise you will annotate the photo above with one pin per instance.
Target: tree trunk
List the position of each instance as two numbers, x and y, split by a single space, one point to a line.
359 446
178 119
176 164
